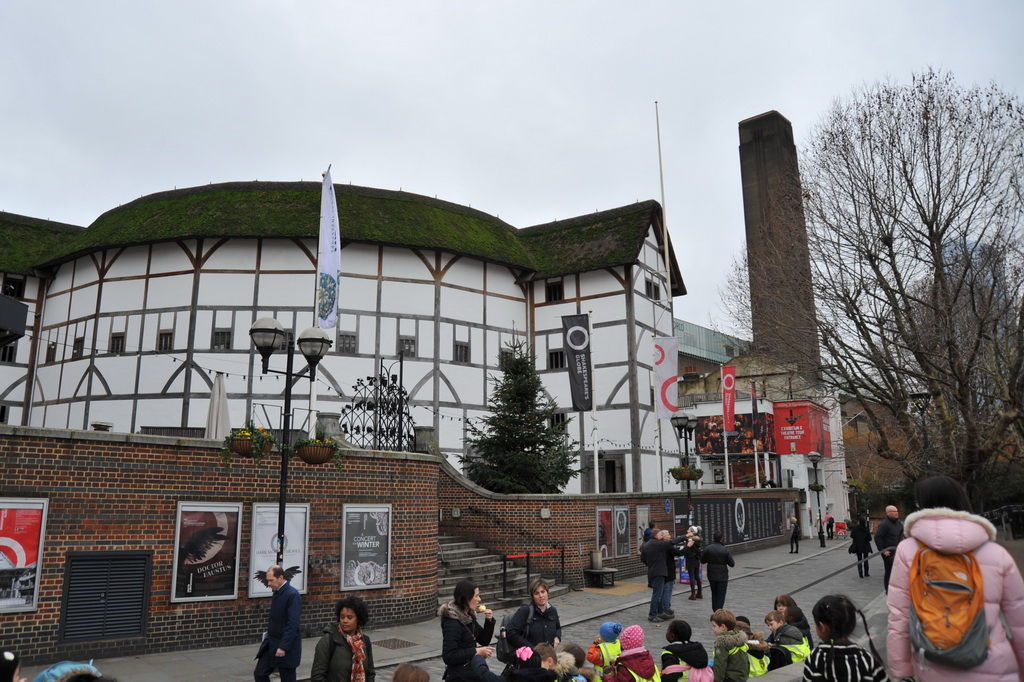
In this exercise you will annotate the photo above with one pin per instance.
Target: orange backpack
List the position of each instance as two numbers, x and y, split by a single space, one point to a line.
947 609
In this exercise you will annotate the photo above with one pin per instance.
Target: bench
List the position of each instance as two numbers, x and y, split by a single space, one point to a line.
599 577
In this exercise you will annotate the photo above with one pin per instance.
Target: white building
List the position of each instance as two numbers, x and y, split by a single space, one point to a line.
130 319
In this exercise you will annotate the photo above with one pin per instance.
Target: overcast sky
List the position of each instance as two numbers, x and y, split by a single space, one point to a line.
531 111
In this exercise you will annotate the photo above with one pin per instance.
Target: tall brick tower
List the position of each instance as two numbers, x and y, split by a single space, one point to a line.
782 304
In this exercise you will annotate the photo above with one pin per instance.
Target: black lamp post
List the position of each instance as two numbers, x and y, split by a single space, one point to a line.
269 335
684 425
815 457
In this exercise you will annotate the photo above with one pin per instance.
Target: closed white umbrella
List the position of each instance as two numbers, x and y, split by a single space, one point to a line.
218 421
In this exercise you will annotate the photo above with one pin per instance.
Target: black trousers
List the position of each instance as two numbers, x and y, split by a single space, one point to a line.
887 563
267 663
831 531
694 570
862 564
718 588
794 543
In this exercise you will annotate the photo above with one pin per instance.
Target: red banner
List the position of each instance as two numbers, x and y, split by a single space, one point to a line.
801 427
728 396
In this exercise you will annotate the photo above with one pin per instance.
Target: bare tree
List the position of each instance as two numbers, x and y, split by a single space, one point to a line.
915 212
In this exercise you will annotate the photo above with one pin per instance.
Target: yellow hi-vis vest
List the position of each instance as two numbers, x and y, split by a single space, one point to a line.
637 678
758 666
609 652
799 652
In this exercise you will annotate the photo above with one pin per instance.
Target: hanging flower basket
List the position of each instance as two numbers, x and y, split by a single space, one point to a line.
247 442
319 450
686 473
816 487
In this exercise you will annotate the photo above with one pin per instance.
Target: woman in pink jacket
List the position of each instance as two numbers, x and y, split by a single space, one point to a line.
946 525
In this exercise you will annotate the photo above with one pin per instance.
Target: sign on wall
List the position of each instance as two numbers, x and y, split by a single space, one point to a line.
708 436
22 530
605 534
802 427
621 517
613 531
365 546
207 536
739 519
643 517
263 553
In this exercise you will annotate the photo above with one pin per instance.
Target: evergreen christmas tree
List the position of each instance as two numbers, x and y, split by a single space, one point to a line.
516 448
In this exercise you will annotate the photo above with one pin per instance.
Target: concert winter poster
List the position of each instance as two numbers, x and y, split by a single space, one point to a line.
365 546
22 529
207 536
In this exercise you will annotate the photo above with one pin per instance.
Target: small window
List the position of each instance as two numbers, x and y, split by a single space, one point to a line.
347 344
460 353
9 352
165 341
652 289
13 287
556 359
504 359
558 421
221 339
78 349
553 291
730 351
51 351
407 346
117 343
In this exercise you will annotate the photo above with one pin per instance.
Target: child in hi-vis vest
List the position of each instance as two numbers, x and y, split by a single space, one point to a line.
605 649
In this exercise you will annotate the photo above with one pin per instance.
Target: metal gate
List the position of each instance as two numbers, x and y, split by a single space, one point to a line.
378 417
106 594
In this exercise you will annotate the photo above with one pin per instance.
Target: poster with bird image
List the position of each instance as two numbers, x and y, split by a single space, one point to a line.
263 548
206 541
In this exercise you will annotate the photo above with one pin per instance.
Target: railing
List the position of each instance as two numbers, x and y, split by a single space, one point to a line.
505 558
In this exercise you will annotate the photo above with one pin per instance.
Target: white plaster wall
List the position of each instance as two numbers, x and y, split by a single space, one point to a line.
463 305
131 263
122 295
358 259
169 257
467 272
235 254
502 280
405 298
83 301
285 254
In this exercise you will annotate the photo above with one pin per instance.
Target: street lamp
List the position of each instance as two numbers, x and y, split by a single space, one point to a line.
815 457
268 335
684 425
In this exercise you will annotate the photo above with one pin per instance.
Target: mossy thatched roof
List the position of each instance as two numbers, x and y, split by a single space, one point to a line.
25 242
292 209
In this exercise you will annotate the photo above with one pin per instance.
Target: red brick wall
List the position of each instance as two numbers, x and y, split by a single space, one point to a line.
119 492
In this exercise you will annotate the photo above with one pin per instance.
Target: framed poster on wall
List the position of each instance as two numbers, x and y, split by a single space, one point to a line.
643 517
365 546
620 515
22 531
605 536
207 536
263 553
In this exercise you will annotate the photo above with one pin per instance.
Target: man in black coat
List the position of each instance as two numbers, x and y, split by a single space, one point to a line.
860 544
888 535
657 553
718 559
282 646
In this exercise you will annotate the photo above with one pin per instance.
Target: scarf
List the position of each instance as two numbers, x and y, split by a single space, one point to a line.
358 646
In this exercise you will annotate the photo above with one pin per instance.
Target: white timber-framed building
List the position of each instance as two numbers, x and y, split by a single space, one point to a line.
130 319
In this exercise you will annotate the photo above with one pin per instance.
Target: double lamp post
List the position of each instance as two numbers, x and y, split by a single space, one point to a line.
268 335
684 425
815 458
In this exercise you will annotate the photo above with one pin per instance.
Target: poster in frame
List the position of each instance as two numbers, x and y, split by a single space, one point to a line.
207 538
262 553
605 535
365 546
22 532
621 519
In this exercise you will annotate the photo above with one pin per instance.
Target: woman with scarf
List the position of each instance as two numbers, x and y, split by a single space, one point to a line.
344 653
464 643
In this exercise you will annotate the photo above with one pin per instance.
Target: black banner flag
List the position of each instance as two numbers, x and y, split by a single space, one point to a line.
576 331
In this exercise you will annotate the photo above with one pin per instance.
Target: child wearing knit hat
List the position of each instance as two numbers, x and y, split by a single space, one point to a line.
605 649
635 663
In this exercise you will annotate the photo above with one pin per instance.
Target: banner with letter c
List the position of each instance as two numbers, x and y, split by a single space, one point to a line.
729 397
666 376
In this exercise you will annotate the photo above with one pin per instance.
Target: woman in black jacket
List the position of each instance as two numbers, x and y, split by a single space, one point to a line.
464 645
691 552
794 535
861 546
535 622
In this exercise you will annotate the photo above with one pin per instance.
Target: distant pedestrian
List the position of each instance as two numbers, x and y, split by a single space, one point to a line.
719 559
407 672
344 653
281 648
860 544
649 531
794 535
681 657
657 554
731 664
691 552
830 525
836 658
10 667
888 535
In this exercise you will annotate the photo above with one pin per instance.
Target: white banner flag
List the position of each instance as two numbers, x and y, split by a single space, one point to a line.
328 276
666 376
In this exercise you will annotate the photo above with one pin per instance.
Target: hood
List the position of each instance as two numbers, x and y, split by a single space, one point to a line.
691 653
450 610
66 670
640 663
949 531
565 665
730 639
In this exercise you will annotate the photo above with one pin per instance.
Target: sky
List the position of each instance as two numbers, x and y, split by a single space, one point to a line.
528 110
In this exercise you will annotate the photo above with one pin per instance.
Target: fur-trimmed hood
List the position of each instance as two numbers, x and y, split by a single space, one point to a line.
730 639
450 610
949 531
565 665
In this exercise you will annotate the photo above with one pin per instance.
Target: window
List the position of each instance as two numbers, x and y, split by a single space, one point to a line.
347 344
51 351
558 421
460 353
13 287
117 343
78 349
556 359
553 291
165 341
504 359
3 414
652 290
221 339
9 352
407 346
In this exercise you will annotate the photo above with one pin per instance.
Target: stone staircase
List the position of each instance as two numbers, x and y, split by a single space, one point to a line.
459 559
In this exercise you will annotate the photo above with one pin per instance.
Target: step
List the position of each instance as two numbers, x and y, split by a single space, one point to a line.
516 582
449 546
471 551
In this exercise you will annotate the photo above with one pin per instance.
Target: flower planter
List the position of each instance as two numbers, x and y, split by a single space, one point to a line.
686 475
315 454
243 447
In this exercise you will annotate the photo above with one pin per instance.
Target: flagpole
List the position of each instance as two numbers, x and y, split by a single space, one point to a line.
593 404
329 215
